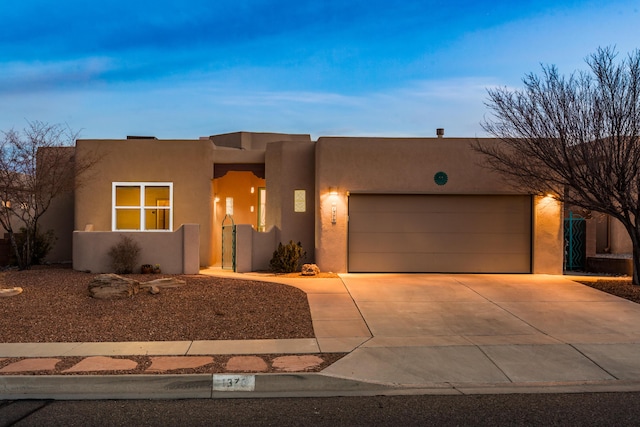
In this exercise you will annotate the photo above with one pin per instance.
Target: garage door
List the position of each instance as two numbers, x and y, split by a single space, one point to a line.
439 233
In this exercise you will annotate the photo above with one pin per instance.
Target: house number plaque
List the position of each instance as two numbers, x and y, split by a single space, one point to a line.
440 178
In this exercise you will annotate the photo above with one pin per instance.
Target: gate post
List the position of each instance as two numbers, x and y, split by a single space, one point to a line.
228 243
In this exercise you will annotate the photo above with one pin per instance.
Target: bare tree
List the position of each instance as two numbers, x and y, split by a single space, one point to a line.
575 137
36 166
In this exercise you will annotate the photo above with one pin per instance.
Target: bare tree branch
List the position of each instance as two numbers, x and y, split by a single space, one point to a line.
37 165
576 137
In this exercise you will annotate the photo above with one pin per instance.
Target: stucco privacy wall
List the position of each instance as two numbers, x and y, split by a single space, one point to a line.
175 252
408 166
185 163
290 166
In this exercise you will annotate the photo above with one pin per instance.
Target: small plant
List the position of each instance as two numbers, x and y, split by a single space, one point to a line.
156 269
124 255
286 257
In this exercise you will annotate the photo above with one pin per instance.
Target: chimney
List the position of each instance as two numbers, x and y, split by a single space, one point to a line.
440 132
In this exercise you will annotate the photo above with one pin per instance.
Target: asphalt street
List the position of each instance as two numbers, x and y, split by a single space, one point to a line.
589 409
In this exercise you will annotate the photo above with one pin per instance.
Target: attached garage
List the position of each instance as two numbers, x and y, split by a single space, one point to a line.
439 233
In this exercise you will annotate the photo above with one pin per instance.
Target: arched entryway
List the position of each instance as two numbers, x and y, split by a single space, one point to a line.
239 190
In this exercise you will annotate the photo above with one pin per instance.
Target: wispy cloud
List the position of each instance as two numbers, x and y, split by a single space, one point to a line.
42 76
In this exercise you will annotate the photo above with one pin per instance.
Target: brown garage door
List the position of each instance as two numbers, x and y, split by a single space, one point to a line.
439 233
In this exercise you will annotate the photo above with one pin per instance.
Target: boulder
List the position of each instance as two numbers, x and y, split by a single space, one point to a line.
112 286
310 270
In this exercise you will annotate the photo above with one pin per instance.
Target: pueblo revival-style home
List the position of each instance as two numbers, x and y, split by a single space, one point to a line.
356 204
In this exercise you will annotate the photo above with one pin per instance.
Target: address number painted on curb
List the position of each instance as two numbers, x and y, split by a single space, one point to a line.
234 382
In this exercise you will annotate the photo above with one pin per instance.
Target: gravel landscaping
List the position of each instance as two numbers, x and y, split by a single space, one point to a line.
621 288
55 307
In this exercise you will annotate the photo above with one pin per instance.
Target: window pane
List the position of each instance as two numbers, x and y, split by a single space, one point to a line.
127 219
127 196
153 194
156 219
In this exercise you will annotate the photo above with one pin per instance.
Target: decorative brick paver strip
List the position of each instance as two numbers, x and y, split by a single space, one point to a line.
296 363
31 365
101 363
169 363
246 364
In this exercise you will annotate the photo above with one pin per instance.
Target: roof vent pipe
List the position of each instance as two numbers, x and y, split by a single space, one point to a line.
440 132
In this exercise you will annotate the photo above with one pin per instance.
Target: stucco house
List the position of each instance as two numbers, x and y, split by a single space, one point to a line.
356 204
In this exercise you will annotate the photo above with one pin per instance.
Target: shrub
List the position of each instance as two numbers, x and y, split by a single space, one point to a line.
124 255
39 248
286 257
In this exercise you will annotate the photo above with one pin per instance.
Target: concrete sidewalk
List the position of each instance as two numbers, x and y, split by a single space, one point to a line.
405 333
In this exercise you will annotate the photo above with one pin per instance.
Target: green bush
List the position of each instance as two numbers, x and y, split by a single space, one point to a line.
286 257
124 255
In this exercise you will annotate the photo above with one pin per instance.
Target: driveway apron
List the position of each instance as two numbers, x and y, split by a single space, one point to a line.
430 329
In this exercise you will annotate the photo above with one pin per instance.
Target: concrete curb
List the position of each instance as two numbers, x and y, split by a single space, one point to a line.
217 386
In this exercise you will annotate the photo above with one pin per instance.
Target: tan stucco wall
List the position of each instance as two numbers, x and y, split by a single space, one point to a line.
186 163
620 240
255 140
176 252
547 236
290 166
408 165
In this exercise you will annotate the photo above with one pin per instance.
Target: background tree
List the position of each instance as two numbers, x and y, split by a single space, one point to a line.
575 137
36 165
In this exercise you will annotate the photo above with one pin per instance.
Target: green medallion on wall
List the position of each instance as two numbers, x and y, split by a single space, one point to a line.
440 178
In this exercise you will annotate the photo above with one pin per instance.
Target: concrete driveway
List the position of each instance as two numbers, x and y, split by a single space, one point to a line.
434 330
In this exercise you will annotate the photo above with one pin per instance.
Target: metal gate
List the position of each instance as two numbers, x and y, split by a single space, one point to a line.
228 243
575 233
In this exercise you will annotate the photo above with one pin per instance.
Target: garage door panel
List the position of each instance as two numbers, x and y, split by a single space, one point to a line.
437 222
419 263
437 242
439 233
438 203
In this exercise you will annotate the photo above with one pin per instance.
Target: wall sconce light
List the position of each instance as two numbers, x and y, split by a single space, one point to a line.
253 190
333 192
216 199
252 208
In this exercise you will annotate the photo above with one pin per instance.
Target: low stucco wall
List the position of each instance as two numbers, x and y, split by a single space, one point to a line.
176 252
254 249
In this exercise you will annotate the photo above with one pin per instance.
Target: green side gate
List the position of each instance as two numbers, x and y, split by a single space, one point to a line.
575 234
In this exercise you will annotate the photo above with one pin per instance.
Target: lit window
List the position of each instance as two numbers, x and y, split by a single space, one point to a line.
229 206
142 206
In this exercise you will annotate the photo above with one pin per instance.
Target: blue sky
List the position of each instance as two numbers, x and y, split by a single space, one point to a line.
190 68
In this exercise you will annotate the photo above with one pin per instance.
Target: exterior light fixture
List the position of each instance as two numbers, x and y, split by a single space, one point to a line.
253 190
333 192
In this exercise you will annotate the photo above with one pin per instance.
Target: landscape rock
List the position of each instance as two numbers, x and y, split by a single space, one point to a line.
310 270
112 286
10 292
166 282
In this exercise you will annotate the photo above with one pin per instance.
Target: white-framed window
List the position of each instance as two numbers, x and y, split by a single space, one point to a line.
142 206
